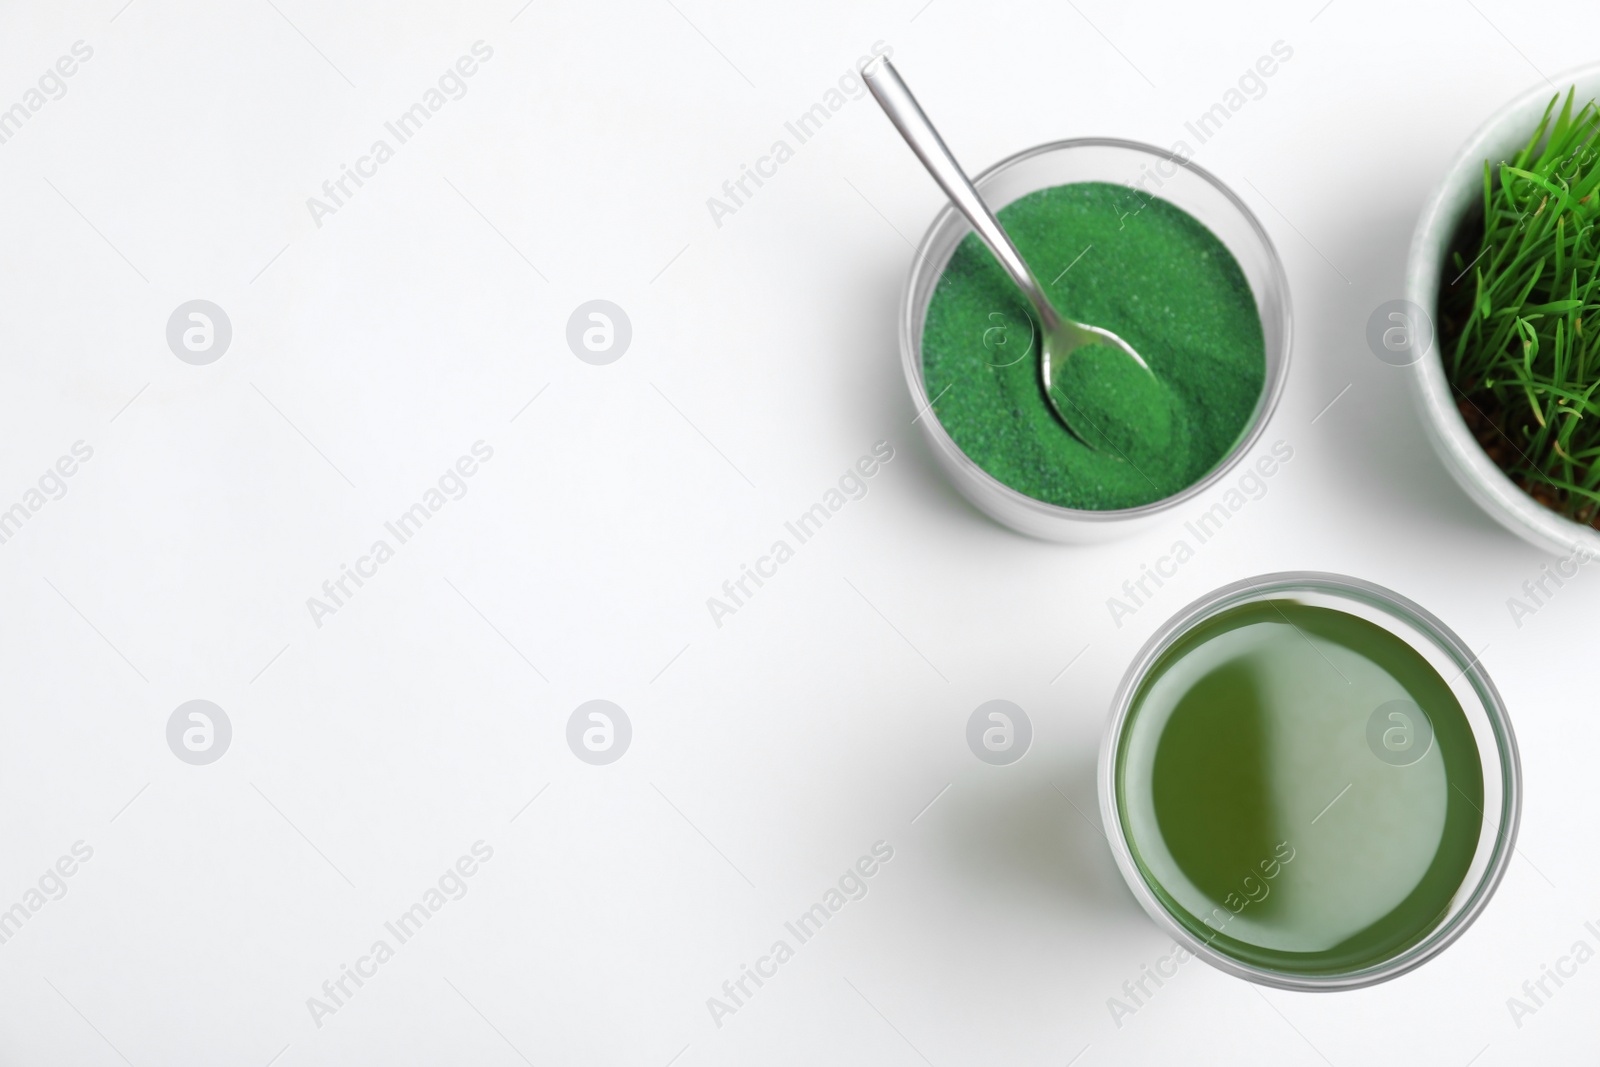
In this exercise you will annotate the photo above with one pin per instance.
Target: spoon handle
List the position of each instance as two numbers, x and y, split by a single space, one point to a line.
907 116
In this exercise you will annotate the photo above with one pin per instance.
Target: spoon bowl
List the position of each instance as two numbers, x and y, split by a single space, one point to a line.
1104 392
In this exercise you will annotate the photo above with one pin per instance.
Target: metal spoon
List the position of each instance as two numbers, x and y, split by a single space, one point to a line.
1064 340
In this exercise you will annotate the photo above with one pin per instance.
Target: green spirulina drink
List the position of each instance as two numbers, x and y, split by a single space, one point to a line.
1300 788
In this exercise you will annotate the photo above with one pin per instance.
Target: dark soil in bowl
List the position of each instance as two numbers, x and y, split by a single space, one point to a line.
1484 414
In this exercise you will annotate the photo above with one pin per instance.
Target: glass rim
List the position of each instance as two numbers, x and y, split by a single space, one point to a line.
1406 610
911 348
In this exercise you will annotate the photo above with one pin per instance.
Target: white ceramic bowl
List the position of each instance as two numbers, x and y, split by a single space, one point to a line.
1505 132
1191 188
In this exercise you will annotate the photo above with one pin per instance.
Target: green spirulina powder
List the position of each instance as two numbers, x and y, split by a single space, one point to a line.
1300 788
1130 263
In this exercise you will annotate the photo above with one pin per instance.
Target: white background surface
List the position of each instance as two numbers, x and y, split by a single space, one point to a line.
768 754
